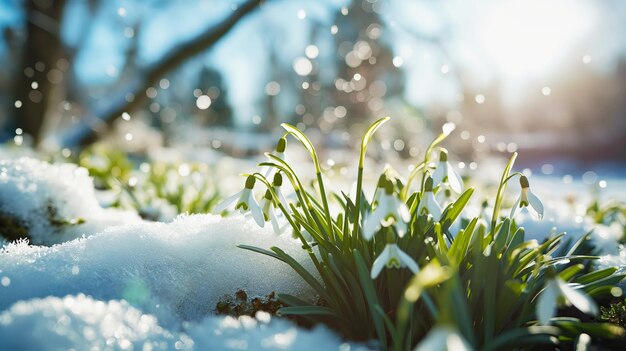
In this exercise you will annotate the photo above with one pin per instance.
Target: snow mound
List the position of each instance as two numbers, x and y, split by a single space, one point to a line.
83 323
263 333
53 203
179 269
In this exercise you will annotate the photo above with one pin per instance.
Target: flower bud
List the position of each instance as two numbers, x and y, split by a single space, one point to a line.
281 145
428 185
250 182
388 187
278 179
523 181
443 155
382 180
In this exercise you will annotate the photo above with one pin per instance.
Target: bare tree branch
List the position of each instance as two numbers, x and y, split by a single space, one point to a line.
90 132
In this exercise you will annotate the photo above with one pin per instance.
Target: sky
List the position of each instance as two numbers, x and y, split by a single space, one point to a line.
524 45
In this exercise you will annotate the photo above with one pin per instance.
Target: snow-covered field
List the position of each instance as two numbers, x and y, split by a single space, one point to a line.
96 278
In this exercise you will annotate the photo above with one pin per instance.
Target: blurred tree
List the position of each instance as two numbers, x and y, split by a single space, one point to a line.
366 72
45 60
42 51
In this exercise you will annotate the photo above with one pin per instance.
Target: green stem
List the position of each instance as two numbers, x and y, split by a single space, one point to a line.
357 204
325 203
359 178
500 195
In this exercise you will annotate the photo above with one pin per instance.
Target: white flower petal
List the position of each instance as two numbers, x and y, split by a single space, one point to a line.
455 181
578 298
546 303
535 203
226 203
257 212
408 261
440 173
403 211
371 224
379 262
433 206
421 206
401 228
515 207
275 225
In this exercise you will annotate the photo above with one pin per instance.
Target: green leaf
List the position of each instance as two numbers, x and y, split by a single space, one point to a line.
261 251
453 211
595 276
308 311
291 300
305 141
515 336
460 245
368 136
598 330
370 296
313 283
571 271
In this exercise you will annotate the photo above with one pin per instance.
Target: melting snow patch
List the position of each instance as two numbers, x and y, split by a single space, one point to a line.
179 269
83 323
262 333
53 203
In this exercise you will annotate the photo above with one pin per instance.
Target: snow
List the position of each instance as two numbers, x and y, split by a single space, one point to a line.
83 323
53 200
263 333
177 270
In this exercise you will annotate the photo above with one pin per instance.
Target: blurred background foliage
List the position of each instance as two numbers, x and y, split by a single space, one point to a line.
547 78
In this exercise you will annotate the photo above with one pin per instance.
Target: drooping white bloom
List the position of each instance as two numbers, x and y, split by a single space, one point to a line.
527 199
244 201
428 203
277 183
445 172
393 257
443 338
280 152
389 211
268 207
555 288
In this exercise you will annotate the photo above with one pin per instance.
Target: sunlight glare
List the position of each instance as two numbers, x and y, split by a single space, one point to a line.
529 37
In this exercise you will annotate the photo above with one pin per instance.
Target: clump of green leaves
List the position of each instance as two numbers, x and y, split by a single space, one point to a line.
156 190
483 286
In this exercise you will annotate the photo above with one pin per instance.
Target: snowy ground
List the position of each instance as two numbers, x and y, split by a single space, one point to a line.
117 282
114 281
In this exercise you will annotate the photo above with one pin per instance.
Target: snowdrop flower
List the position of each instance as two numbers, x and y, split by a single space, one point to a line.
244 201
443 338
268 207
527 199
277 183
445 172
429 203
389 211
393 257
280 152
556 288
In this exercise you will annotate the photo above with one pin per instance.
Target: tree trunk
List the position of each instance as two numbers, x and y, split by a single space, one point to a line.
42 50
